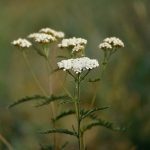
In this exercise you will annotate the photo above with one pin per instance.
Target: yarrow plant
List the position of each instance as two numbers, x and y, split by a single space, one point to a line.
78 66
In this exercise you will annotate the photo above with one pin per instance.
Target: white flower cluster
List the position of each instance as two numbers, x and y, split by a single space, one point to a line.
110 43
116 42
105 45
56 34
77 44
22 43
78 64
42 37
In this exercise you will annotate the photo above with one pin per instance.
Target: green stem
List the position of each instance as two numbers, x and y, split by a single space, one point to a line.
52 105
83 77
77 107
39 85
103 67
50 87
33 74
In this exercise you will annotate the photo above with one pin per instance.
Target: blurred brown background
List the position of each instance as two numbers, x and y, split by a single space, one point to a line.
125 87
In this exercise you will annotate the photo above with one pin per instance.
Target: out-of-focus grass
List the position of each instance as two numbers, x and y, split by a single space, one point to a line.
126 83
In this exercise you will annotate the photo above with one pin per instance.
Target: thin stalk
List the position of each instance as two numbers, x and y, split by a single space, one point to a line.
103 67
33 74
95 88
50 86
38 83
77 107
52 105
71 74
8 145
83 77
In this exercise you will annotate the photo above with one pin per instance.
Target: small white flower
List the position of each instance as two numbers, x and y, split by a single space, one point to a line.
72 42
42 37
105 46
115 42
56 34
78 48
78 64
22 43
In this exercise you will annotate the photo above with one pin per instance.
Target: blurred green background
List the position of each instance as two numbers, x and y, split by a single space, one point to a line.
125 87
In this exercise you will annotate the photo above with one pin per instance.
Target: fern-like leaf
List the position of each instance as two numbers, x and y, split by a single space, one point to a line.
63 114
89 113
63 131
51 99
67 100
103 123
45 100
27 99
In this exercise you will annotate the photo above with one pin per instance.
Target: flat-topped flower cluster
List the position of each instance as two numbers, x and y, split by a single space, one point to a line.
77 44
23 43
111 43
42 37
54 33
78 64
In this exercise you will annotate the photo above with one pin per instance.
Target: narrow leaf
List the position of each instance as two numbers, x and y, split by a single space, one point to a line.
26 99
63 131
102 123
51 99
88 113
66 101
63 114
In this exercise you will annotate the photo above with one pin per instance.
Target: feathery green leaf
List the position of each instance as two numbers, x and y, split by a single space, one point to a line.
26 99
88 113
45 100
63 131
51 99
66 101
63 114
103 123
